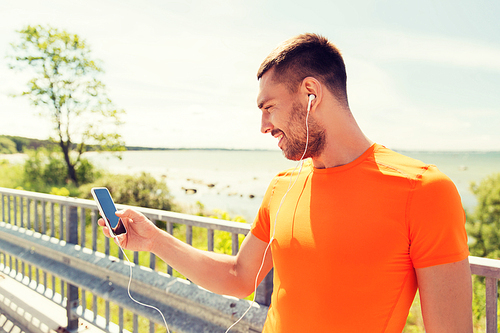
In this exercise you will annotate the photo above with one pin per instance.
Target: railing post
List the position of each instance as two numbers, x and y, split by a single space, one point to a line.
235 245
21 203
3 208
265 290
15 210
170 230
8 210
72 291
491 304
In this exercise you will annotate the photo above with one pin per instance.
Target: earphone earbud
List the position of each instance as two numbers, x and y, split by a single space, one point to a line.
311 98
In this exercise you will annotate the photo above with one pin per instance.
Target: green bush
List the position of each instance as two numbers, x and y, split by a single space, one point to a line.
63 191
54 170
143 191
483 225
33 178
483 228
86 172
45 169
11 175
7 146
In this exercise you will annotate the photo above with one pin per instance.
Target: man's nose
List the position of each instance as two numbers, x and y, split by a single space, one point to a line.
266 126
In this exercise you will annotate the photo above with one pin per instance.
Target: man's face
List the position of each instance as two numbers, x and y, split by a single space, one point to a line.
303 131
284 116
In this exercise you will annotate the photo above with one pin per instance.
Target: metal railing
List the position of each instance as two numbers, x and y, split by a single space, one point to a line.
45 243
490 269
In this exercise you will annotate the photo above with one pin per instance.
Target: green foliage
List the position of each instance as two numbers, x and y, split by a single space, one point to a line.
45 169
483 228
65 88
63 191
484 223
86 171
222 239
478 301
24 144
143 190
414 321
11 175
7 146
223 215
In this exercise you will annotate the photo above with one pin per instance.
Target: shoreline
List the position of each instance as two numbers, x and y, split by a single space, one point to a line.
236 180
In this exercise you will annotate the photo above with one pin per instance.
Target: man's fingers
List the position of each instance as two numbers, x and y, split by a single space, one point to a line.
105 229
106 233
130 213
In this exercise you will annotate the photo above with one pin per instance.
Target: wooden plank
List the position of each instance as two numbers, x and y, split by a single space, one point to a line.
491 305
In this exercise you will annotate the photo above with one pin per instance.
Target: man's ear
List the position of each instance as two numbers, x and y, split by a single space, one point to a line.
311 86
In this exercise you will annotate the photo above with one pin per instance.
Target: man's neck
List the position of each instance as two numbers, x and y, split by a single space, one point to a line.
345 141
341 155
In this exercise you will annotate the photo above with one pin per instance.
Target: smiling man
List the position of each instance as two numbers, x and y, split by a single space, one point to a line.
352 233
362 226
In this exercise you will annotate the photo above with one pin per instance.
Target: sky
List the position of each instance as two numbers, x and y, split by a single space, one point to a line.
422 75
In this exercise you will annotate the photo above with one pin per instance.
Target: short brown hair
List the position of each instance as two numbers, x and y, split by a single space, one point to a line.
307 55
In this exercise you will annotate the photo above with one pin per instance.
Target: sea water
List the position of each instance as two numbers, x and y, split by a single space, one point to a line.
235 181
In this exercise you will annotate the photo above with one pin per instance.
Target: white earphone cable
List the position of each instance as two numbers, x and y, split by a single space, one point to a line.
290 186
136 301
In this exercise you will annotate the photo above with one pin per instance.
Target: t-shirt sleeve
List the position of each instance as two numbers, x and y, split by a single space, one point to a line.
261 224
436 221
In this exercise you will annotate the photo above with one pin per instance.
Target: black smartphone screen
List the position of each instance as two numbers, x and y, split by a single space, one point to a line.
108 209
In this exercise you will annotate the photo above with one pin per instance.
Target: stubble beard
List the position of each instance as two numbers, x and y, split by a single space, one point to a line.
297 138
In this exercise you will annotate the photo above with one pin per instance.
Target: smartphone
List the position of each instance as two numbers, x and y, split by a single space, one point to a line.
107 209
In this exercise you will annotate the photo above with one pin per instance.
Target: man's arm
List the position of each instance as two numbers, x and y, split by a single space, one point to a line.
219 273
446 297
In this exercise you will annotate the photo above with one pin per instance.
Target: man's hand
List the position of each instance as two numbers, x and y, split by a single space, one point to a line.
221 273
141 232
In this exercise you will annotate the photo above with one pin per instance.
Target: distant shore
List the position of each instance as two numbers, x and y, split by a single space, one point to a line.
31 143
235 180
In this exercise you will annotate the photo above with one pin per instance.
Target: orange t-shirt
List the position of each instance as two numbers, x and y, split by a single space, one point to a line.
348 238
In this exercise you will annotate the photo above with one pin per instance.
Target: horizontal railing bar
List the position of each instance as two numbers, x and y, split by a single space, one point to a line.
485 267
156 214
108 277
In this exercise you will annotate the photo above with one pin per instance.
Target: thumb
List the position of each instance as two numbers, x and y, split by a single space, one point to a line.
130 213
120 213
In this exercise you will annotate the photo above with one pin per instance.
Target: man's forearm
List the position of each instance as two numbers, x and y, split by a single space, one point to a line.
213 271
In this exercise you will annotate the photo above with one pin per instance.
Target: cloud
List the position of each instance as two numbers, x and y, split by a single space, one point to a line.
185 72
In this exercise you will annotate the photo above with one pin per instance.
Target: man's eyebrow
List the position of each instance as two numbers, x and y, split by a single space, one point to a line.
262 103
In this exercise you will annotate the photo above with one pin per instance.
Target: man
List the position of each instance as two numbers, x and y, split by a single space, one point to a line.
352 232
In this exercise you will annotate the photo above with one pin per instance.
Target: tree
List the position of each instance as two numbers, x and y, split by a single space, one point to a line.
483 228
484 223
66 88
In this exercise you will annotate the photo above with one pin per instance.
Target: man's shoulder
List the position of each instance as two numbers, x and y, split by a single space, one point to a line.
391 162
